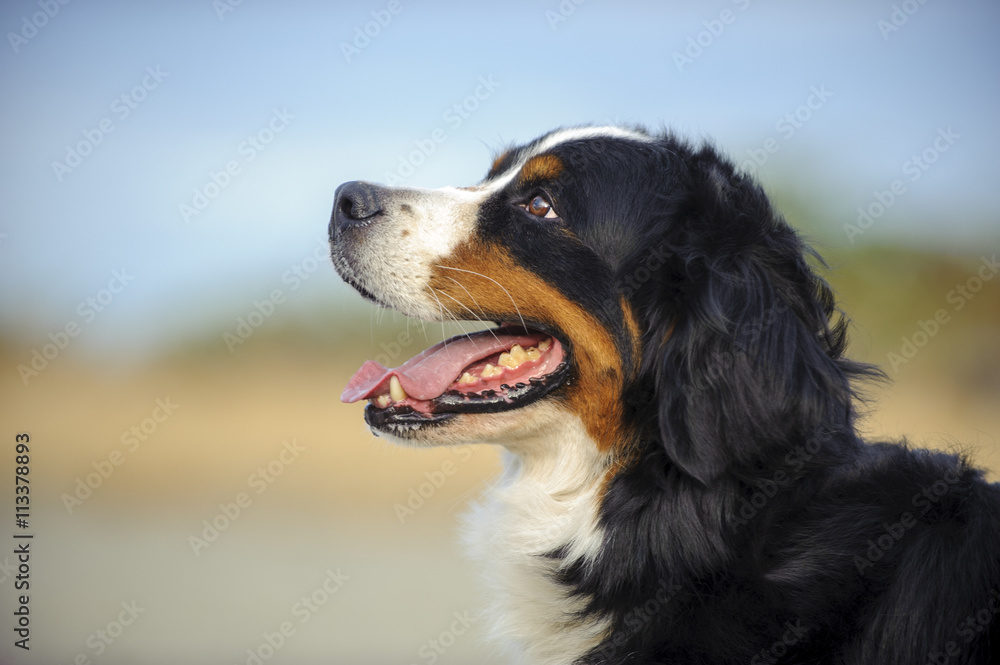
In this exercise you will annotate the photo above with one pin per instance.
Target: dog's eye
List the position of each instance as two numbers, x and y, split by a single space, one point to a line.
539 206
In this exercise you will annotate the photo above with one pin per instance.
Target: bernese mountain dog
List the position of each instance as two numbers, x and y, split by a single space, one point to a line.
683 479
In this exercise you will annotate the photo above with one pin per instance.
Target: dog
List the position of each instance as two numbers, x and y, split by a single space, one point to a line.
683 480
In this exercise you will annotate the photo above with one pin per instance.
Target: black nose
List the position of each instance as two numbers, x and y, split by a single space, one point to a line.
355 203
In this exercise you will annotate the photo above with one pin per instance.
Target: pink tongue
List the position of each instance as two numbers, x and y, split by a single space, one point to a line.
428 374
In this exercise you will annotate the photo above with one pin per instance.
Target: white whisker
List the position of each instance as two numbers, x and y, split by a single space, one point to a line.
443 312
474 301
454 319
471 272
467 334
480 319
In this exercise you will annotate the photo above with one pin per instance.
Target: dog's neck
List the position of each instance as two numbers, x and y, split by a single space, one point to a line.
540 516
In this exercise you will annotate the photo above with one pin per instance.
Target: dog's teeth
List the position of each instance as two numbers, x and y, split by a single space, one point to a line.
383 401
513 358
466 379
518 354
396 390
544 344
491 371
533 353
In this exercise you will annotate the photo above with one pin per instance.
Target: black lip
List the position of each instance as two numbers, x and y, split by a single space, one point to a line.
363 292
512 397
405 421
402 420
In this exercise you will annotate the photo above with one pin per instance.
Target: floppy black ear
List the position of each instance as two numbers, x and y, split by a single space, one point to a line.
740 351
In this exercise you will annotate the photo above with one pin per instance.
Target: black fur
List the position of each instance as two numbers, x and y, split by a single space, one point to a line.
748 524
753 525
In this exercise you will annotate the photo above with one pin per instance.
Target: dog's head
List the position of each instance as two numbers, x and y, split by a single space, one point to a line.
638 283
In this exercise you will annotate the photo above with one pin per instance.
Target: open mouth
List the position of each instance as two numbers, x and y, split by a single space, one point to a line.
493 370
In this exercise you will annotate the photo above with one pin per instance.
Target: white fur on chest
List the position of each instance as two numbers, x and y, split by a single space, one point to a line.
546 500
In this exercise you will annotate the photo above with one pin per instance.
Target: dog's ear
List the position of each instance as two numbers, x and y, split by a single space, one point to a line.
740 353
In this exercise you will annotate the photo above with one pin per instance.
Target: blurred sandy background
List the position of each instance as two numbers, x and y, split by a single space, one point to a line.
325 544
337 505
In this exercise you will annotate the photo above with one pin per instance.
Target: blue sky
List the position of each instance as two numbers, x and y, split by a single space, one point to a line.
260 111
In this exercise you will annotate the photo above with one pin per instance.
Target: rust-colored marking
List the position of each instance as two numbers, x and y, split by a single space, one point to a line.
624 455
487 280
540 169
621 461
634 333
